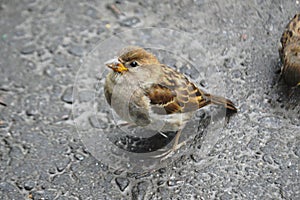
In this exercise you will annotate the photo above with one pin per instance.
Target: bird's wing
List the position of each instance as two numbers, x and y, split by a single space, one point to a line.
173 93
291 67
162 99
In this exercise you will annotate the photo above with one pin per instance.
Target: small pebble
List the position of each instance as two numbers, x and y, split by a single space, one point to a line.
130 21
76 50
79 156
159 183
29 185
30 65
59 60
50 71
68 95
28 49
122 183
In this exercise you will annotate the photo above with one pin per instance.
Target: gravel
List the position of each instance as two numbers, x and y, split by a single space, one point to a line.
232 49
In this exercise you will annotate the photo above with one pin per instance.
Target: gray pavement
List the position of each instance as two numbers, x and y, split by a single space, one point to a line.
44 43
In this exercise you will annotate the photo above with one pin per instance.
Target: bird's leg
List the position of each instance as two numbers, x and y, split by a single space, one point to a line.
175 147
126 124
163 134
293 90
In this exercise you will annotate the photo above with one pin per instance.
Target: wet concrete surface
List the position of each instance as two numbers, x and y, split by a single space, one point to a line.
44 43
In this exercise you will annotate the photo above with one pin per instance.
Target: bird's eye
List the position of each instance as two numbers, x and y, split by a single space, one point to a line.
133 64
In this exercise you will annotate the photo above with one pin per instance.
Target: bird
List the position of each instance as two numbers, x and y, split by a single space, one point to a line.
149 94
290 52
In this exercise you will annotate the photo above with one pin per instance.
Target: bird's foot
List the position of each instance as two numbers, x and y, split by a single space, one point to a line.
170 152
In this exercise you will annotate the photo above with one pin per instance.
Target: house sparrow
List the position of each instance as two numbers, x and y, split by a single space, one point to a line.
290 52
149 94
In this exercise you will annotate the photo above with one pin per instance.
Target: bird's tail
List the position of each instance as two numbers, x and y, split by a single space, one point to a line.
217 100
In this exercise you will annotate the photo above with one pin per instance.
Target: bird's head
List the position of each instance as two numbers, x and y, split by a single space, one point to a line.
131 57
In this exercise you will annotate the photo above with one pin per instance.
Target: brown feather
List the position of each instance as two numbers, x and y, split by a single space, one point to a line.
162 97
139 54
159 94
189 97
290 52
291 64
173 107
181 96
217 100
178 97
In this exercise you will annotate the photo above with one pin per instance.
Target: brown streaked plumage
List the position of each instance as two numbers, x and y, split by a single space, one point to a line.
291 66
154 92
290 52
291 32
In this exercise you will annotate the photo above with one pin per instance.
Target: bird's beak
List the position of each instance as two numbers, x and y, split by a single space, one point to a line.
116 65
